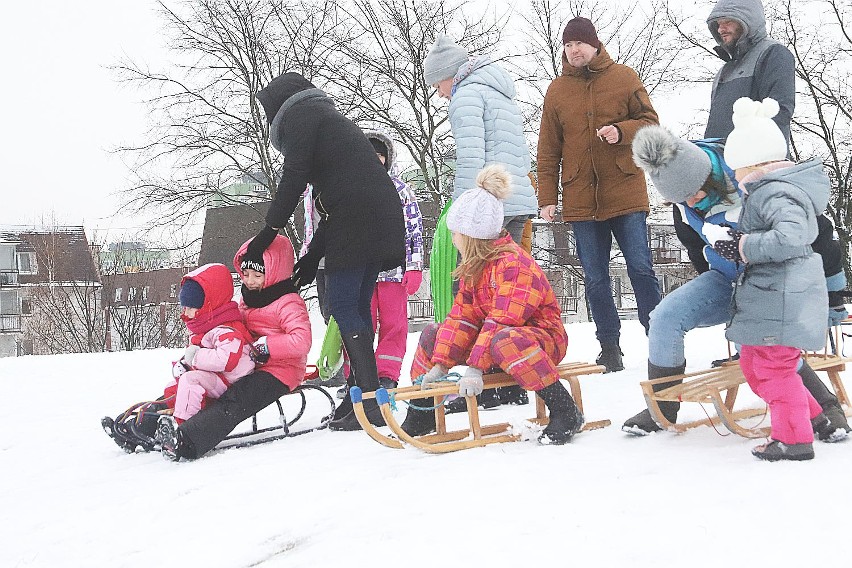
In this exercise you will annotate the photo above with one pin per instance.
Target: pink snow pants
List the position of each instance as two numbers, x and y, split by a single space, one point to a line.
525 353
771 374
390 317
193 386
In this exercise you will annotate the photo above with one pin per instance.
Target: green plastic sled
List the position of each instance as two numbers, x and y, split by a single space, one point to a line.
442 262
331 355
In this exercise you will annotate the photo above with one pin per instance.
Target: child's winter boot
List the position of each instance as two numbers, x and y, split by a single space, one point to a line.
825 429
565 418
776 451
643 423
610 357
835 427
419 421
514 394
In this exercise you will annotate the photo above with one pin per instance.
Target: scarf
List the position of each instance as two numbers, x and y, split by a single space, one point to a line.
228 315
265 296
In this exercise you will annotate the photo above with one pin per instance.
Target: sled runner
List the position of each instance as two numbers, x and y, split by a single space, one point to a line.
442 262
719 387
133 430
476 434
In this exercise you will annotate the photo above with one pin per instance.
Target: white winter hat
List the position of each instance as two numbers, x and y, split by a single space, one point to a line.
478 212
756 138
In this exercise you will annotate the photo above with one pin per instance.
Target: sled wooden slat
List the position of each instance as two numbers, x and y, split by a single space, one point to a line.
477 434
719 386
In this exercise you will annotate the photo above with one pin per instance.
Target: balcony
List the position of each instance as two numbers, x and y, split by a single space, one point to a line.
9 278
10 323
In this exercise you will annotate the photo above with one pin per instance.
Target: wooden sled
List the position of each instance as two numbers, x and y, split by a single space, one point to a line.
477 434
719 387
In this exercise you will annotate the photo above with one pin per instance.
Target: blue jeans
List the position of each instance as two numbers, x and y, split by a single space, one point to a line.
702 302
594 243
349 292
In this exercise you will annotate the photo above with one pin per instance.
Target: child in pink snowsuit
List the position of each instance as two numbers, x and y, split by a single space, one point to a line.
219 348
393 287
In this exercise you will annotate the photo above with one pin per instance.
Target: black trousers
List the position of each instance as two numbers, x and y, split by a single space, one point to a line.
246 397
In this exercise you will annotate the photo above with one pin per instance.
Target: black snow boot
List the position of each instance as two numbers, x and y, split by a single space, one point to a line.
171 441
777 451
345 406
838 426
565 418
419 422
643 423
514 394
350 422
610 357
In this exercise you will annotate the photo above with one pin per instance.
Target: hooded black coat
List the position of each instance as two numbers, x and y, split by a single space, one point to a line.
352 190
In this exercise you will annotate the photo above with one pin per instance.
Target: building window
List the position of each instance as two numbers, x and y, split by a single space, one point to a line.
118 293
27 263
173 291
131 294
145 291
26 307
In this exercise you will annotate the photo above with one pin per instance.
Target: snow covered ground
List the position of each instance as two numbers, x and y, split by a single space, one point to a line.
70 497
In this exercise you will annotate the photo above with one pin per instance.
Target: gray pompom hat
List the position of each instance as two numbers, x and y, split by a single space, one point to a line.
444 59
677 167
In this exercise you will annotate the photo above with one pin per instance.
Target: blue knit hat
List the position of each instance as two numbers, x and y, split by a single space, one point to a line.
191 295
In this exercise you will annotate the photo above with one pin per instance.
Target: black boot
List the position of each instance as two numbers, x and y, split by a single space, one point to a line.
345 406
350 422
610 357
837 426
419 422
565 418
643 423
514 394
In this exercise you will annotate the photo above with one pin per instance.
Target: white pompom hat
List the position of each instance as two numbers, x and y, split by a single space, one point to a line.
478 212
756 138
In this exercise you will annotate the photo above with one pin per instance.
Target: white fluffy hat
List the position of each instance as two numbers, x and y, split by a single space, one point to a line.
478 212
756 138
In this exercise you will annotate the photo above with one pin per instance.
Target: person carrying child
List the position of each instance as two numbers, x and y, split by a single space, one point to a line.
505 315
277 318
780 303
219 348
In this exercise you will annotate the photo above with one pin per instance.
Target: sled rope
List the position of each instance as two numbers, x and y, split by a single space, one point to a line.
448 378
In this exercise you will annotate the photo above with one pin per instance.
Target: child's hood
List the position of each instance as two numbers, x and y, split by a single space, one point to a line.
216 281
278 260
388 142
808 176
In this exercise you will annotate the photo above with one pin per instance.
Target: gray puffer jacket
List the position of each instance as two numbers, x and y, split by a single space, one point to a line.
488 129
781 297
756 67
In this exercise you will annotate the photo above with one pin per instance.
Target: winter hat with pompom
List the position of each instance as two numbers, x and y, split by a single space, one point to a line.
678 168
756 138
478 212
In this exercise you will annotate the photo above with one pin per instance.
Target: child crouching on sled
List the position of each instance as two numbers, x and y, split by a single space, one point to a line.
780 303
277 318
505 315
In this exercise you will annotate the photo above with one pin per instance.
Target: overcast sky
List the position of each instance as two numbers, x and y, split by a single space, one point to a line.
62 111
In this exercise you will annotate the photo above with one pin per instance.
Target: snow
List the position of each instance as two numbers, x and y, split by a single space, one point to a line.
71 497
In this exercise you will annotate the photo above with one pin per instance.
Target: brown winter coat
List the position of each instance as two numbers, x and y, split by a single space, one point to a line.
599 180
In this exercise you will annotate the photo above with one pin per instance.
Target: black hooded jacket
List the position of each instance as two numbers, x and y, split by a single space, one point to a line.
352 190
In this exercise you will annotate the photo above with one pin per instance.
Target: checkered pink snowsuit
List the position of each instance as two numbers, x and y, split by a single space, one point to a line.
510 319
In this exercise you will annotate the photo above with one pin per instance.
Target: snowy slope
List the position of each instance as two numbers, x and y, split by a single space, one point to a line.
70 497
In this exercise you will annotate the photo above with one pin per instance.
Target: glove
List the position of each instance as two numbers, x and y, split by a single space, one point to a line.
255 248
189 355
433 374
471 382
305 269
411 281
836 309
715 232
178 369
260 351
730 248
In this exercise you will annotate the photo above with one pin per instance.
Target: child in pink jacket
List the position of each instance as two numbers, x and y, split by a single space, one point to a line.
219 348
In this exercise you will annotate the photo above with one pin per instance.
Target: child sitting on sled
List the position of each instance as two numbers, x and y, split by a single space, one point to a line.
504 316
780 303
219 348
277 318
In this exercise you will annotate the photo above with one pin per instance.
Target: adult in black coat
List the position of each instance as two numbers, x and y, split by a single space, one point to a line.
361 232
